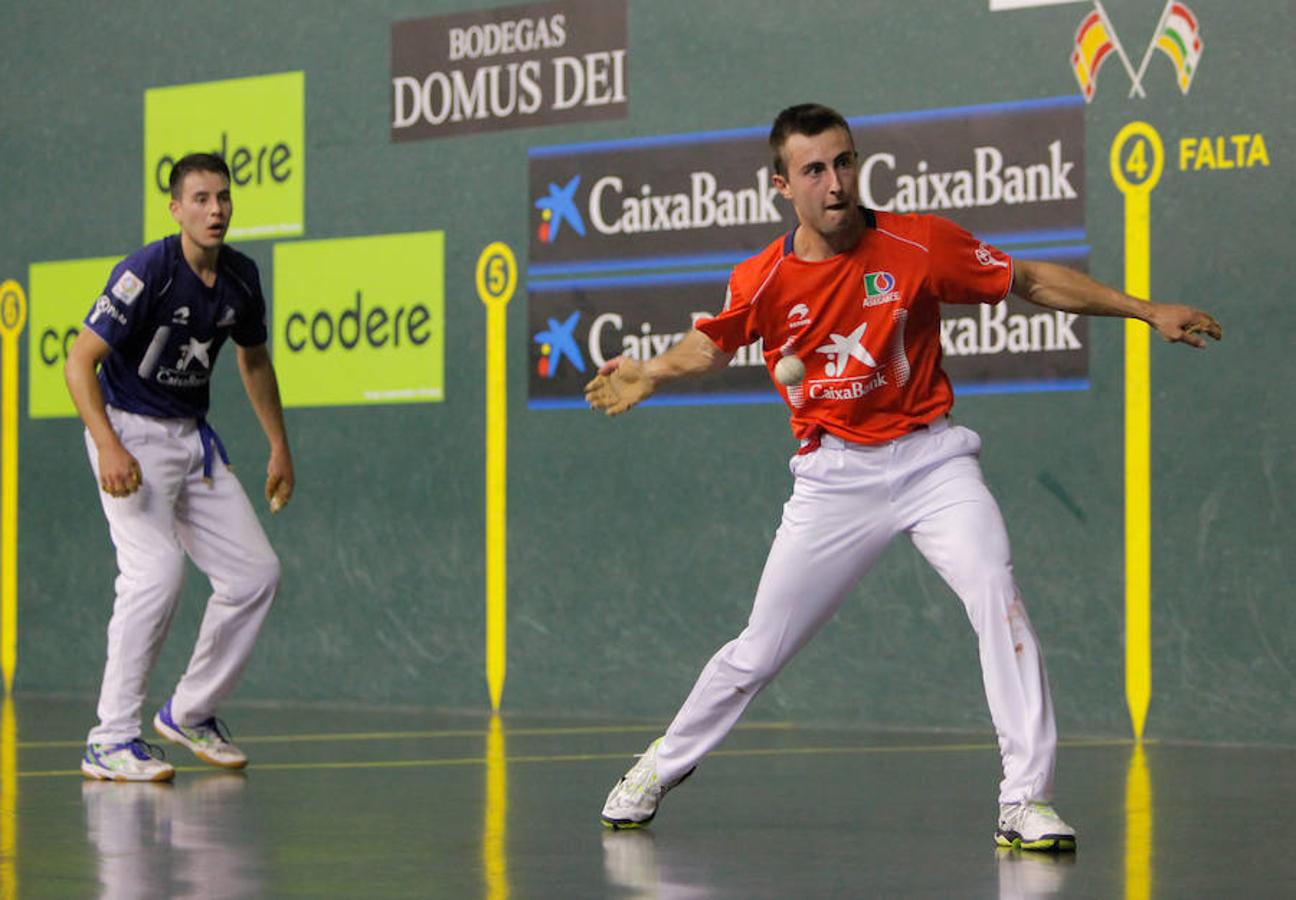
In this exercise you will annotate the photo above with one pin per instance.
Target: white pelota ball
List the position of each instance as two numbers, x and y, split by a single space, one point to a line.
789 371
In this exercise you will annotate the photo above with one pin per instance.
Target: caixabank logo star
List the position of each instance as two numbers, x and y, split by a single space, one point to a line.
1177 35
559 206
558 342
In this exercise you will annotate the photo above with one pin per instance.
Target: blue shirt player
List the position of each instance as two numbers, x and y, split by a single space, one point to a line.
153 336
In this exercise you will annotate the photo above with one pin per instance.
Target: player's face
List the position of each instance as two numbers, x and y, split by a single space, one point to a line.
204 208
822 180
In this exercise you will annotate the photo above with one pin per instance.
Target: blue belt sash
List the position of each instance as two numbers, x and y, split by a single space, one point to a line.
210 441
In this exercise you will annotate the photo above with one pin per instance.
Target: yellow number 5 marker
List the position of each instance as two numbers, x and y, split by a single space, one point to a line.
496 281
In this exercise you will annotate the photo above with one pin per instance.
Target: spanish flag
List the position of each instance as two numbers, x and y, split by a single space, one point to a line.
1093 43
1180 40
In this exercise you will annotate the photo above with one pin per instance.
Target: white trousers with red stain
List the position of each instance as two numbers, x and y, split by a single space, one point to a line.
174 513
849 502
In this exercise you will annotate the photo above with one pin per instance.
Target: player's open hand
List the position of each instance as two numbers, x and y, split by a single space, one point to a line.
119 472
1184 324
621 383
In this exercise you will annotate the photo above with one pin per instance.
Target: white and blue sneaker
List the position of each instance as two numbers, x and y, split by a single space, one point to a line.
209 740
634 799
133 760
1033 826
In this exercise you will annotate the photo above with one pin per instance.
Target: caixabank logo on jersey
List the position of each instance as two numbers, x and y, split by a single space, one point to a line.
257 125
538 64
610 218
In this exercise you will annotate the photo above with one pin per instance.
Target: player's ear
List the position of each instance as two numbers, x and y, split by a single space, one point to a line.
175 209
781 185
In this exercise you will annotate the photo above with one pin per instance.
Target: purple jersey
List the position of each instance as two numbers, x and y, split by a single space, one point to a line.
166 327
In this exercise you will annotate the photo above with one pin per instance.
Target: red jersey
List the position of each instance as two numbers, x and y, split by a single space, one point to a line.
866 322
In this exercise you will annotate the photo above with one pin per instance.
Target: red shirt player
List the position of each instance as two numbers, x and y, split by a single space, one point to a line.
854 295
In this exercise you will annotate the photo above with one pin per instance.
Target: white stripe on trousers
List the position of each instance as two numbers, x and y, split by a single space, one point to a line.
174 513
848 503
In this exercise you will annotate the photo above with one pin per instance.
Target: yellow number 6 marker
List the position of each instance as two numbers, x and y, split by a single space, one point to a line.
13 316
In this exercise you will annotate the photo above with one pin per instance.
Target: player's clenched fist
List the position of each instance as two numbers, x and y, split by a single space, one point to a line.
280 479
119 472
620 384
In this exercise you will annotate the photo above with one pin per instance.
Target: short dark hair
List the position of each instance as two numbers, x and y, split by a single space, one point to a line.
195 162
804 118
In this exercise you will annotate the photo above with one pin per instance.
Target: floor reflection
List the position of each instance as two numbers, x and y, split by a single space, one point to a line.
8 800
495 815
1030 874
188 840
1138 827
633 864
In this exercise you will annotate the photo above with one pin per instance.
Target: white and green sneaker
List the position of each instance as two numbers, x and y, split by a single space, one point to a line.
1033 826
133 760
634 800
209 740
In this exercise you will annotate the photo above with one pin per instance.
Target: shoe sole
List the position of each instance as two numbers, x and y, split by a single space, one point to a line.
94 773
175 737
625 824
1049 842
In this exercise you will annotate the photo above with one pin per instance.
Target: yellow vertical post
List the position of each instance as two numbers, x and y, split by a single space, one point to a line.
1137 158
496 281
13 315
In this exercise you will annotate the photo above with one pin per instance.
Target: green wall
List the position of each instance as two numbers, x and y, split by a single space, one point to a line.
635 544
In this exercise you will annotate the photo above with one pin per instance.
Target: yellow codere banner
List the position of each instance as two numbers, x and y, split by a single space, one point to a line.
257 125
62 294
360 321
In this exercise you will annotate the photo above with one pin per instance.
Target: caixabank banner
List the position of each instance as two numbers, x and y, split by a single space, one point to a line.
517 66
576 331
617 222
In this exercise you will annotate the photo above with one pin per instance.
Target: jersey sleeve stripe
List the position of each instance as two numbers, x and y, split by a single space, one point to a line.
903 240
768 279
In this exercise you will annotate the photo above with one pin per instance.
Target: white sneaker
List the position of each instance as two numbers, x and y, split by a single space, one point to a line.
134 760
634 800
208 740
1033 826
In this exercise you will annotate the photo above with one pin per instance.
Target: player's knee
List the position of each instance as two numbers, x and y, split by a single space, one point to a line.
748 672
993 595
161 575
259 580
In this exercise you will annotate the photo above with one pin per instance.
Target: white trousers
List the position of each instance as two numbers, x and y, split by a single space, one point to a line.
848 502
174 513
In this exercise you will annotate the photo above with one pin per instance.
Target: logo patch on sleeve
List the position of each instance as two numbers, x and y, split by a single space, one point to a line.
985 255
128 287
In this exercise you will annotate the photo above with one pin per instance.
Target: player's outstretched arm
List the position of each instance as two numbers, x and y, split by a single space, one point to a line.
1057 287
262 388
623 383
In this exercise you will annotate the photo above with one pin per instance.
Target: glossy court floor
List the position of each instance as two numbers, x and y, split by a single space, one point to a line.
347 803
